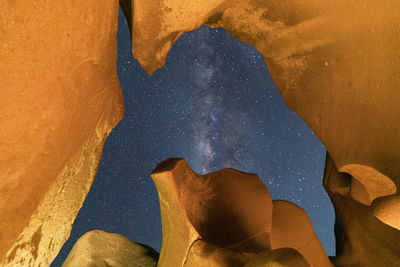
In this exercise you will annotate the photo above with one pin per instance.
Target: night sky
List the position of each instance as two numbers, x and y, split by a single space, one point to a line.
214 104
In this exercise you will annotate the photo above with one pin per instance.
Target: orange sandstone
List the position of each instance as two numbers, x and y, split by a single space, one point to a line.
226 218
99 248
59 99
335 63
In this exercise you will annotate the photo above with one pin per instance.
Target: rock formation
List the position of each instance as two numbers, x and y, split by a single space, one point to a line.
102 249
59 99
226 218
366 235
335 63
284 257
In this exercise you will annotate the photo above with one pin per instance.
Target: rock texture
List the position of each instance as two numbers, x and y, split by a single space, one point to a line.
334 62
226 218
59 99
283 257
291 228
102 249
365 235
336 65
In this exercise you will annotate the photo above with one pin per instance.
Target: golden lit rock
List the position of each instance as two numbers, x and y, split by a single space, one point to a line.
228 208
60 97
387 209
102 249
291 228
335 64
365 235
226 218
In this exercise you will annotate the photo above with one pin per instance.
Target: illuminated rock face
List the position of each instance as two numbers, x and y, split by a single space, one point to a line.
336 65
59 99
334 62
102 249
365 235
226 218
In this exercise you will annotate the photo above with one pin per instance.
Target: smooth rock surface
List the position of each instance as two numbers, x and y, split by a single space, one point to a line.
204 254
229 209
59 99
365 235
291 228
283 257
335 64
225 218
102 249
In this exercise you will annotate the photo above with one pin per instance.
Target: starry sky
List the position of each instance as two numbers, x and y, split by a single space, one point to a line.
215 105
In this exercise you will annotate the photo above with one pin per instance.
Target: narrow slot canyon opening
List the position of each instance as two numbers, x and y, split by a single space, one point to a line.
215 105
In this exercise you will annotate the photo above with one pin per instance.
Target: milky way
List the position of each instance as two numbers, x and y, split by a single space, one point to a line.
214 104
217 134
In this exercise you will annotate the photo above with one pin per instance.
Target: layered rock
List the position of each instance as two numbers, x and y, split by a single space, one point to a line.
60 97
226 218
102 249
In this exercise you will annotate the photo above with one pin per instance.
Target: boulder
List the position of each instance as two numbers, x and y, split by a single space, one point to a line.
102 249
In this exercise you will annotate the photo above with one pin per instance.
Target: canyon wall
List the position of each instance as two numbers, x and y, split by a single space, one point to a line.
59 99
335 64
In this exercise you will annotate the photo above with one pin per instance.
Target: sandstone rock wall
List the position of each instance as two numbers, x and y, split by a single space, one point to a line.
102 249
335 63
59 99
226 218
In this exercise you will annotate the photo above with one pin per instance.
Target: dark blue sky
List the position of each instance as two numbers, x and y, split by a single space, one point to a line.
214 104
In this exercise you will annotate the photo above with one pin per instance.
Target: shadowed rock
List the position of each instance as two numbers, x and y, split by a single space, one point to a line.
225 218
283 257
204 254
365 235
228 208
